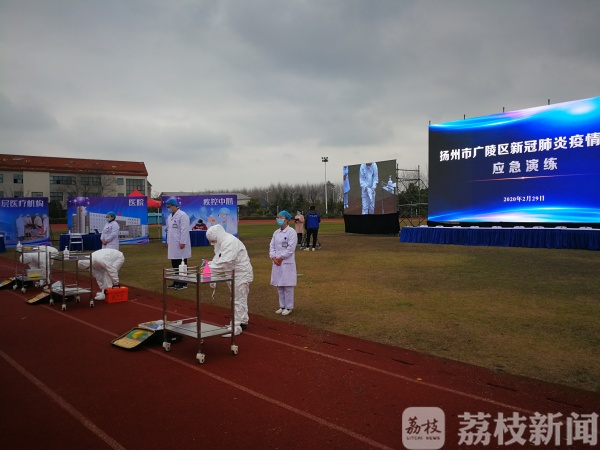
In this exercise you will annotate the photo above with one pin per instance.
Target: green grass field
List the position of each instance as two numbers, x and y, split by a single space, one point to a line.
531 312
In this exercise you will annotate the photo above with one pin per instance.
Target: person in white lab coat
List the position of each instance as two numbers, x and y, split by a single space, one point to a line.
20 227
46 225
110 232
179 246
282 252
231 254
40 259
369 178
106 264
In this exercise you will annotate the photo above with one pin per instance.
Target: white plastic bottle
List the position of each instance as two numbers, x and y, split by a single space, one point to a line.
19 246
66 252
390 181
183 269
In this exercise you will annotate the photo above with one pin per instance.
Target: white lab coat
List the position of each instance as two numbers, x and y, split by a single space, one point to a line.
231 254
178 232
46 225
41 260
106 264
110 234
283 245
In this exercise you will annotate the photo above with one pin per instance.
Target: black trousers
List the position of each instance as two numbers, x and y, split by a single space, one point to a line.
175 265
314 233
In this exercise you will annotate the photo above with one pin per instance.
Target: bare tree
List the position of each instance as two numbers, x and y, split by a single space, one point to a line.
85 185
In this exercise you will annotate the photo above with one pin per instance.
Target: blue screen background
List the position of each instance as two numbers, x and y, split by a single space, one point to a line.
467 190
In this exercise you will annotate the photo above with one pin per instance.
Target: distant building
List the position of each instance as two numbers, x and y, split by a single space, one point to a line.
59 178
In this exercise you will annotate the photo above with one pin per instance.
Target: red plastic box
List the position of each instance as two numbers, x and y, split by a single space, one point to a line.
116 295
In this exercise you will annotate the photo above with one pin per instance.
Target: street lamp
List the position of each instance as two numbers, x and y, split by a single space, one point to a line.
325 159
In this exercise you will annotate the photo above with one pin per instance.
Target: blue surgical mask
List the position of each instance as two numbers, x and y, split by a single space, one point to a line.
107 219
280 222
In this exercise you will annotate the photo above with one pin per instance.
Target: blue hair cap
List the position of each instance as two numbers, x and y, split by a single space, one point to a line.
285 214
171 202
111 214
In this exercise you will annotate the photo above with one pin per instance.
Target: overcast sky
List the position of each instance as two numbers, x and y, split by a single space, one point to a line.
218 95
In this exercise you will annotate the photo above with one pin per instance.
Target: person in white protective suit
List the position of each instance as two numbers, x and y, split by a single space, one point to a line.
368 178
106 264
346 186
231 254
42 259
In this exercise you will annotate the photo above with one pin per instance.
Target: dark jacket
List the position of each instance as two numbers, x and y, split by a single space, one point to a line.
313 218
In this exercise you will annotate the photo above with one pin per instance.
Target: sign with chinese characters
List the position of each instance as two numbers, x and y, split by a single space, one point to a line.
426 428
205 211
88 215
538 165
25 220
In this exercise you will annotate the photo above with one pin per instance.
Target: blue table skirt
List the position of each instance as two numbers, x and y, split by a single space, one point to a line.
91 242
198 239
574 238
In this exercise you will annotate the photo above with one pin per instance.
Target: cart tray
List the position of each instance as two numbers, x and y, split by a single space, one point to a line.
70 291
189 329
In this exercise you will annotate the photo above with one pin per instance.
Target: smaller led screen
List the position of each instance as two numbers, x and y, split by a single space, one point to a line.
370 188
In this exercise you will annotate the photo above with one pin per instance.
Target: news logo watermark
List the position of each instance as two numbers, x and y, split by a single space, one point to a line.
424 428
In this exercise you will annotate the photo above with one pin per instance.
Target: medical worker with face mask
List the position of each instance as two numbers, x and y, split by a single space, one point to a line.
282 252
110 232
231 254
179 246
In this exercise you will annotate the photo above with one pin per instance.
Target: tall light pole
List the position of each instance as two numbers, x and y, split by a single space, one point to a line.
325 159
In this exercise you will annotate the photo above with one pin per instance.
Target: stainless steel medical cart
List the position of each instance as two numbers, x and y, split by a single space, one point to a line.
83 284
193 326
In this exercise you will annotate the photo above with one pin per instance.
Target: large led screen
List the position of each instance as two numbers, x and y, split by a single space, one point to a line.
370 188
538 165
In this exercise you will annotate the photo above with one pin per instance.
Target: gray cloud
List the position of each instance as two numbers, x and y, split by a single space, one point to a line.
223 94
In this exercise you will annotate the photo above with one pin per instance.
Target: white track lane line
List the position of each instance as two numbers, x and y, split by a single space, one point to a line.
62 403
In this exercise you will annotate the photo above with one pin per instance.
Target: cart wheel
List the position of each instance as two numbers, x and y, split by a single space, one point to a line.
51 301
91 303
78 299
234 349
15 287
167 346
201 357
23 290
64 307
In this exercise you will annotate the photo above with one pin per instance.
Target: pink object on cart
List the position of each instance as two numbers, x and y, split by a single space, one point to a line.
205 270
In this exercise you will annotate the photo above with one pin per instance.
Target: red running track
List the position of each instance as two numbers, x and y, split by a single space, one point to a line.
64 386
